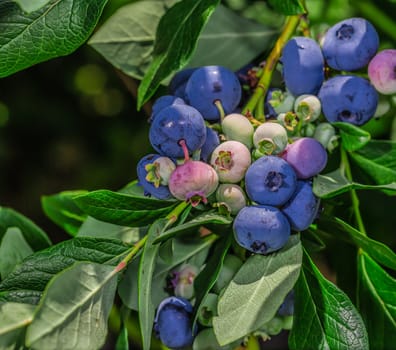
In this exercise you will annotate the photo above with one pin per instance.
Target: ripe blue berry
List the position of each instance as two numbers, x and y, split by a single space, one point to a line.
348 98
177 85
270 180
172 323
303 66
287 307
350 44
153 172
301 209
382 71
261 229
307 156
211 142
210 84
164 101
173 124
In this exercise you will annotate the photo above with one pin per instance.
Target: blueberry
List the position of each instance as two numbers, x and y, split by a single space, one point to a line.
348 98
177 85
162 102
287 307
237 127
382 71
270 138
212 140
153 172
301 209
303 66
172 323
270 180
261 229
193 181
307 156
209 84
232 196
231 159
175 123
350 44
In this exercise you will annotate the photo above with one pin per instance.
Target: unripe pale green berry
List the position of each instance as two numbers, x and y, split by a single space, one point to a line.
208 309
238 128
282 101
165 168
307 108
230 267
325 133
232 196
270 138
184 281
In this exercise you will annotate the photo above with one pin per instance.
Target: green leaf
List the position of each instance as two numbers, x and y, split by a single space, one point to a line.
14 318
33 234
337 228
56 29
378 159
352 137
20 296
36 270
324 317
122 339
176 39
256 292
31 6
123 209
13 250
146 271
288 7
63 211
209 219
75 308
333 184
377 303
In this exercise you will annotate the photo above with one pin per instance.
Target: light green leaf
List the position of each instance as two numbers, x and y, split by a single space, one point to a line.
62 210
176 39
14 318
257 291
56 29
324 317
288 7
13 250
377 303
31 5
74 311
33 234
334 183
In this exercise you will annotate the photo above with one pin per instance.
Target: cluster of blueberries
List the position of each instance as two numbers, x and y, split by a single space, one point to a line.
261 172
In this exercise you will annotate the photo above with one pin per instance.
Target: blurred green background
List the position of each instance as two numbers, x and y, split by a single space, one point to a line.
71 122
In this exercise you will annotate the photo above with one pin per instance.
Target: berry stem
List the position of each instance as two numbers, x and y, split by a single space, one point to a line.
270 64
354 197
183 145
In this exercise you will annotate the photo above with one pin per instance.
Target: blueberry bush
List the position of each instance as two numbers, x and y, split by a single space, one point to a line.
268 126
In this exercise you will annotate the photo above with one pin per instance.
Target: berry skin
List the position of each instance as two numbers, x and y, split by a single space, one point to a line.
303 66
153 172
177 85
348 98
164 101
210 84
232 196
261 229
270 180
193 181
237 127
211 142
231 159
382 71
172 323
350 44
173 124
301 209
270 138
307 156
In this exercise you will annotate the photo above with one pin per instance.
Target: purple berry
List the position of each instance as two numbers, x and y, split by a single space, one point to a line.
382 71
350 44
307 156
348 98
261 229
209 84
231 159
172 323
193 181
303 66
211 142
301 209
149 170
270 180
173 124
